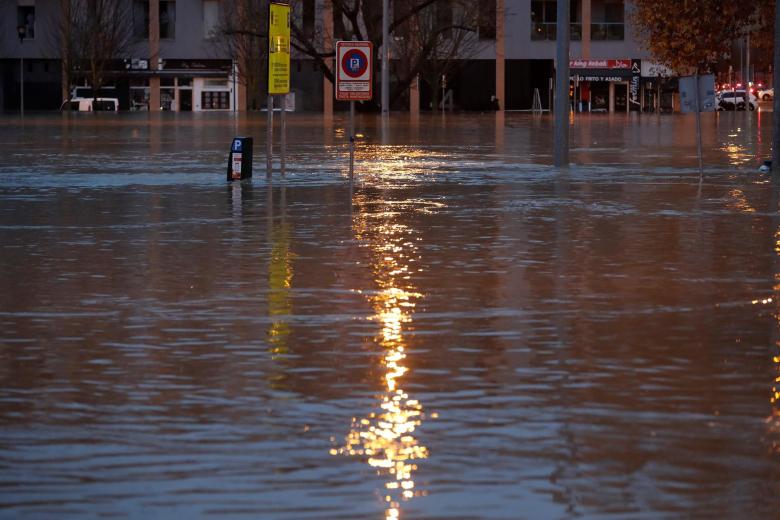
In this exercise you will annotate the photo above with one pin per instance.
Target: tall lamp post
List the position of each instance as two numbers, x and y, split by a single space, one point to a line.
21 30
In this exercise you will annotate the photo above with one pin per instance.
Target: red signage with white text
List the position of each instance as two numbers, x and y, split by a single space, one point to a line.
599 64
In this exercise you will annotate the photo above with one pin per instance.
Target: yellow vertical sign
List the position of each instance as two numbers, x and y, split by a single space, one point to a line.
278 49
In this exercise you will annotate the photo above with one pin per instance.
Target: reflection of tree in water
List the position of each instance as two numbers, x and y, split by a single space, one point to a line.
385 437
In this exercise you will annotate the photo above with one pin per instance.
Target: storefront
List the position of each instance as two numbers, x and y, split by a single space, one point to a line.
604 85
185 85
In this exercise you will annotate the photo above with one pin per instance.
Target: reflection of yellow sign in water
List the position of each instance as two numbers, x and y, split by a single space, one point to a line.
278 49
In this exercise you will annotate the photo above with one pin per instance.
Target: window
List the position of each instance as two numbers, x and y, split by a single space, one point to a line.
487 20
141 19
444 18
608 20
544 14
210 19
215 100
308 18
25 17
167 19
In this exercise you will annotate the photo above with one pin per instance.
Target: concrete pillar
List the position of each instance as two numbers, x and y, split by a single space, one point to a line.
414 97
241 96
611 97
585 17
327 46
154 55
500 54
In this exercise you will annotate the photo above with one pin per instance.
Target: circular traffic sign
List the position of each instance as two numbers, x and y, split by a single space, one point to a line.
354 63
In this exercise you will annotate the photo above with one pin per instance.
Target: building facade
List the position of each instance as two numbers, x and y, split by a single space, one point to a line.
174 59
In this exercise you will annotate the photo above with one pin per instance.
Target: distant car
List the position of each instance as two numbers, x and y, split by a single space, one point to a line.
766 94
735 100
91 105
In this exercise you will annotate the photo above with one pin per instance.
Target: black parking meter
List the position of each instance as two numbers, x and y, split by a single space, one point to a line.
240 159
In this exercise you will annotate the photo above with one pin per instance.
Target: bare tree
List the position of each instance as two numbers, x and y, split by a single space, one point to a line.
243 31
91 35
432 42
429 36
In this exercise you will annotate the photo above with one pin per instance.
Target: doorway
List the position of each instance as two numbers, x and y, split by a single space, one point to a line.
185 100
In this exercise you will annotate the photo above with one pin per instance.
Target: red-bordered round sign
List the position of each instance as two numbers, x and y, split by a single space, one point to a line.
354 63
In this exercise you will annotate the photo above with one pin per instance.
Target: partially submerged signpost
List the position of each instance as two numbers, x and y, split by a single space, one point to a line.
278 77
697 95
353 83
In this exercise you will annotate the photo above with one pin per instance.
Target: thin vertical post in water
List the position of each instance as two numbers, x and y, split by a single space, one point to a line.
385 56
561 135
776 102
283 138
351 139
747 77
21 84
269 140
697 102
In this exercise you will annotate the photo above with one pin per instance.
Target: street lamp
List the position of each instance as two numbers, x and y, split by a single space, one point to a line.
21 30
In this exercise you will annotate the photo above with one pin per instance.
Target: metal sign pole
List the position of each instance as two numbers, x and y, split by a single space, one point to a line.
697 101
351 139
269 138
283 139
562 106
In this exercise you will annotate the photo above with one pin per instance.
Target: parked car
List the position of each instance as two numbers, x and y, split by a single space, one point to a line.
91 105
735 99
766 94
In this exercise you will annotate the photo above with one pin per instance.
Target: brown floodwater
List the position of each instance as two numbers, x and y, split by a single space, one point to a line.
462 332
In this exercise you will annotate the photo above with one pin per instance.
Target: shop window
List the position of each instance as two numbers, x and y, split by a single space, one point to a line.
167 19
215 100
487 20
25 17
210 19
544 14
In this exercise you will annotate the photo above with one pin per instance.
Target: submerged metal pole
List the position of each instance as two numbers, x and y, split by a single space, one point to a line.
351 139
698 125
776 102
385 56
269 140
283 138
561 135
21 85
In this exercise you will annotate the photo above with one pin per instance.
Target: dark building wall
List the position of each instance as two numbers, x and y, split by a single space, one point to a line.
472 83
522 77
42 83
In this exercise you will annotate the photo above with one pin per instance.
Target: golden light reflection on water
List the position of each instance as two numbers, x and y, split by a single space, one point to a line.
385 438
383 164
738 201
280 275
773 421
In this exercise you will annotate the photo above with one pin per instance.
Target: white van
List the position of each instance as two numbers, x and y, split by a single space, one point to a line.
91 105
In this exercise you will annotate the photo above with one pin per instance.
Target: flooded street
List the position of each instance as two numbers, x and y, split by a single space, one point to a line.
463 333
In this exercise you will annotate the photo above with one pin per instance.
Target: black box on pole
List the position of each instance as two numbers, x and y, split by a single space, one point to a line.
240 159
